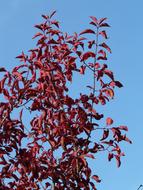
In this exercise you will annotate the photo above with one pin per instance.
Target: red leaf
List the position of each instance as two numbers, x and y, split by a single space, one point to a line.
38 64
110 143
109 121
102 100
93 23
63 143
39 27
83 160
94 19
96 178
89 156
22 57
109 92
103 33
47 184
118 161
6 94
103 57
18 75
52 14
93 186
110 156
15 177
91 43
82 69
81 185
45 17
104 25
106 47
20 115
125 128
127 139
105 134
101 20
56 23
87 55
118 84
78 53
87 31
52 41
2 69
110 74
97 65
37 34
19 56
112 84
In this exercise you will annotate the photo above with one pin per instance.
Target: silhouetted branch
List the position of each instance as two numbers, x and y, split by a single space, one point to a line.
140 186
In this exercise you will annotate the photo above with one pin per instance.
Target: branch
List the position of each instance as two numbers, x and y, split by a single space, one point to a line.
140 187
88 66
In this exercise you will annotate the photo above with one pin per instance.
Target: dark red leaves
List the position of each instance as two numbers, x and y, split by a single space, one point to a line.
56 23
109 74
118 84
105 134
52 41
82 69
109 121
22 57
20 115
103 33
48 136
104 45
99 23
101 20
108 92
96 178
40 27
127 139
94 19
90 156
87 55
110 156
47 184
104 25
102 56
87 31
118 160
2 69
125 128
36 35
45 17
91 43
52 14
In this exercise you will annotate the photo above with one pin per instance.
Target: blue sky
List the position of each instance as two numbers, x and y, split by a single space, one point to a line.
17 18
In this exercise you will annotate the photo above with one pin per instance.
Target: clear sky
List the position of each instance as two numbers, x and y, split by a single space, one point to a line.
17 18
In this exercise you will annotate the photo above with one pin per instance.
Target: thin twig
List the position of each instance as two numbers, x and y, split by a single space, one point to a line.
24 103
94 79
88 66
140 187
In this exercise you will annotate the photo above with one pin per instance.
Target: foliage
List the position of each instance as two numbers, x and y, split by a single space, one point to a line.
53 149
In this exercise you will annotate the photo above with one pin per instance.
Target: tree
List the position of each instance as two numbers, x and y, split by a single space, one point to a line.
46 136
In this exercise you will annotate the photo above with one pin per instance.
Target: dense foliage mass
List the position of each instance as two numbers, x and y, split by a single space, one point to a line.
46 136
